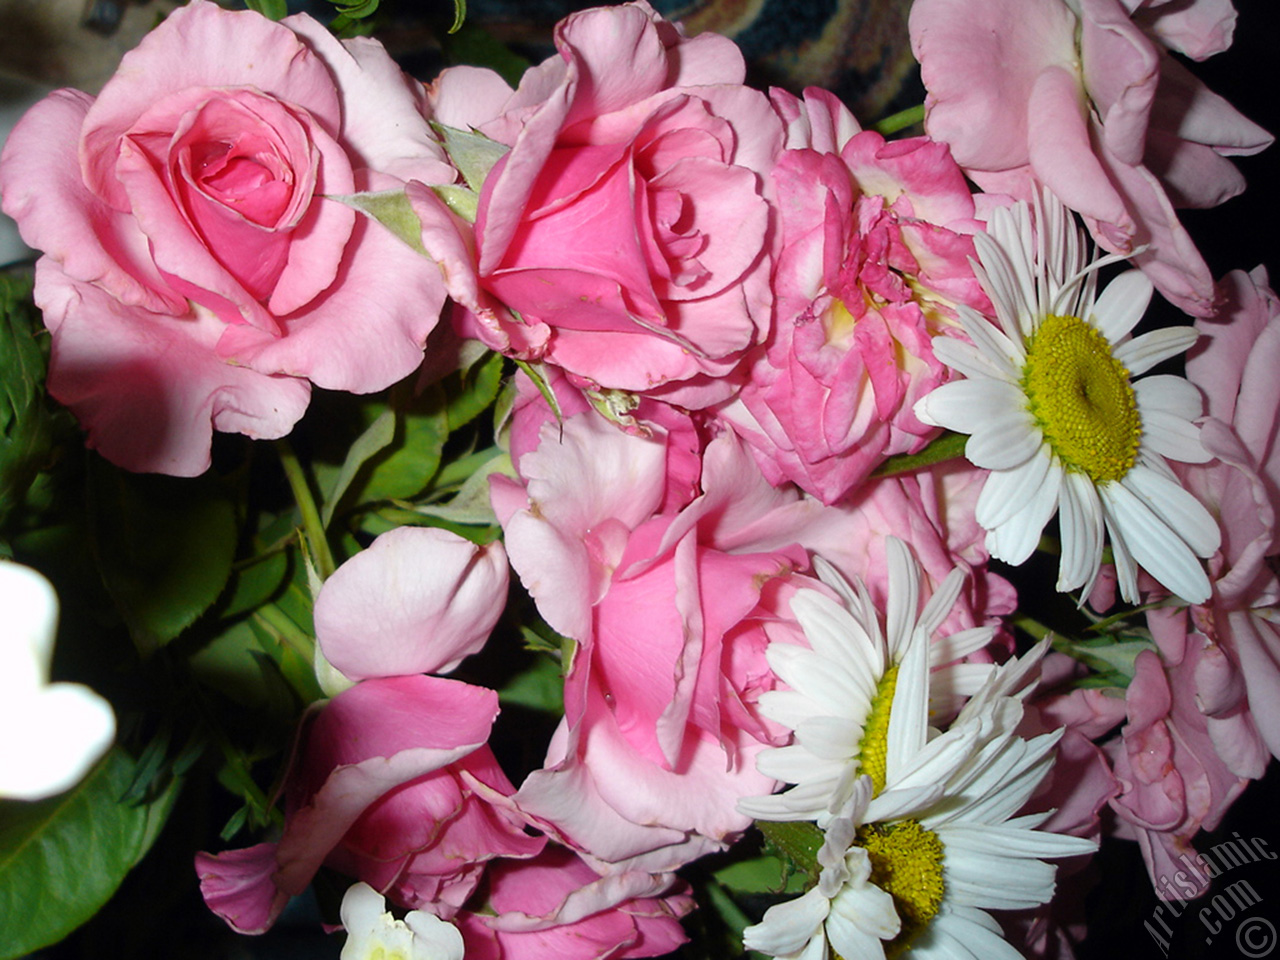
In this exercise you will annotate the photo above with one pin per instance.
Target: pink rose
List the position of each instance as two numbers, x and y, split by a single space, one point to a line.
1082 97
875 245
628 224
1173 783
196 276
418 600
671 606
388 786
556 906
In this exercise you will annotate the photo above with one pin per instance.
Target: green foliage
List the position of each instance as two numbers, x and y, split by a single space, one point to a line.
476 46
540 686
164 546
25 427
271 9
350 12
61 859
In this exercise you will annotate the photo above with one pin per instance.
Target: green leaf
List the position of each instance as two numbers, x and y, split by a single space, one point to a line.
379 434
763 874
478 389
538 687
165 547
271 9
407 465
799 841
392 209
61 859
476 46
25 433
472 504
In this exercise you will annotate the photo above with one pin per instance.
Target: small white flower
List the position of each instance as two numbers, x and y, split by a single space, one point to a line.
50 734
1052 412
373 934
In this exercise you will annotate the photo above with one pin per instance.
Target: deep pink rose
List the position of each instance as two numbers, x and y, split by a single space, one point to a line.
195 275
875 246
1082 97
671 606
555 906
389 786
418 600
628 225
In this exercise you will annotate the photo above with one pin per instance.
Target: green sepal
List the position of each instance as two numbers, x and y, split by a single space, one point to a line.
392 209
472 153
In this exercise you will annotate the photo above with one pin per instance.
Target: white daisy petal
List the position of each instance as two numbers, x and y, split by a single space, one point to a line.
1142 353
1006 492
1154 545
1015 539
1178 507
1170 395
1081 526
1006 439
1120 307
968 405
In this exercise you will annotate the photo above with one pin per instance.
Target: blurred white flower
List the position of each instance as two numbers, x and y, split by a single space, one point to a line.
373 934
50 734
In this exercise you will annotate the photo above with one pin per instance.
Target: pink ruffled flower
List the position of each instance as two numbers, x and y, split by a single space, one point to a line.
1083 98
556 906
1173 783
389 786
875 248
196 277
628 225
670 607
418 600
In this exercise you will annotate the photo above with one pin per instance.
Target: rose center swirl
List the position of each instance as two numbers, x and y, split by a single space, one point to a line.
1081 398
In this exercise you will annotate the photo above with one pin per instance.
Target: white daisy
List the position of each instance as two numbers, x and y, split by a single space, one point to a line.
1051 411
941 837
843 684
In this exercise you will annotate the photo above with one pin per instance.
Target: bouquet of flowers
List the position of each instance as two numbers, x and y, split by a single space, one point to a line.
606 509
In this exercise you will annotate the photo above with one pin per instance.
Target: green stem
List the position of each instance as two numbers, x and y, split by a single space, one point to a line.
286 631
900 120
1030 626
312 527
949 446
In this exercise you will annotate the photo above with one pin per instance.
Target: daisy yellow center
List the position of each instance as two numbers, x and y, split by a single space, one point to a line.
1081 398
873 748
381 952
906 863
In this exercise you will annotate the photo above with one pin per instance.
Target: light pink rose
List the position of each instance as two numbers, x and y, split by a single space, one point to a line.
418 600
628 225
195 275
555 906
932 511
389 786
1083 98
671 606
875 249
